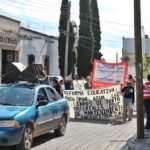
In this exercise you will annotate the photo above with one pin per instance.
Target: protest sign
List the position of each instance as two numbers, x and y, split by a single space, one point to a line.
96 103
78 84
106 74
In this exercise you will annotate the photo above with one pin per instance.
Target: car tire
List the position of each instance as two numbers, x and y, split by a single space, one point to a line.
60 131
27 139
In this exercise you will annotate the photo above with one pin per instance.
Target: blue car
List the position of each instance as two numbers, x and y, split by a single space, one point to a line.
29 110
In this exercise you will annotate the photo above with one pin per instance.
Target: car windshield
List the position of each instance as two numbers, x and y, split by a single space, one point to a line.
16 96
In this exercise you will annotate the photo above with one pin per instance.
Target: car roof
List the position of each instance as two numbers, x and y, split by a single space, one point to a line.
24 85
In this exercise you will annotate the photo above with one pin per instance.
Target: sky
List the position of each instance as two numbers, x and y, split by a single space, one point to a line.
116 19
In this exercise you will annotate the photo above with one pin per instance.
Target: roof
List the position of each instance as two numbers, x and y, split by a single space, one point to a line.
24 85
36 32
1 16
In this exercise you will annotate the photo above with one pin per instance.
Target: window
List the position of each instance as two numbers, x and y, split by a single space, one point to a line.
16 96
43 93
31 59
51 94
1 39
10 40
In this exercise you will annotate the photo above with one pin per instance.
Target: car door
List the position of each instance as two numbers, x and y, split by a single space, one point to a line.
56 105
44 114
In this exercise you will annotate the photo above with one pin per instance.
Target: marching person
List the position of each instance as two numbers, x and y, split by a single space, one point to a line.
88 84
127 92
146 96
133 82
57 86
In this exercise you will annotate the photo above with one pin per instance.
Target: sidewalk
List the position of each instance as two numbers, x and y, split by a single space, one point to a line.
139 144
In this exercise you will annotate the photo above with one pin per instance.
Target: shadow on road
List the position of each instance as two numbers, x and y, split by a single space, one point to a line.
112 121
43 139
37 141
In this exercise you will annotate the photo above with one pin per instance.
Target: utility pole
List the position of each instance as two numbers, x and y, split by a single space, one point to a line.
116 57
139 68
67 41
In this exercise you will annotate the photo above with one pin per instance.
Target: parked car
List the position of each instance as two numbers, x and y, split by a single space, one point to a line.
29 110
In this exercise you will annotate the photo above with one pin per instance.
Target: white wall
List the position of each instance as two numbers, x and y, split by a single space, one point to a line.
128 45
40 46
54 58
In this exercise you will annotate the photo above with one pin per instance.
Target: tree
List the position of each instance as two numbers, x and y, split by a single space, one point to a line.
96 30
62 36
85 43
62 40
71 50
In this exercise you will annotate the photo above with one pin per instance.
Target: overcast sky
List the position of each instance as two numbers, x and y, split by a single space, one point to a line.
116 19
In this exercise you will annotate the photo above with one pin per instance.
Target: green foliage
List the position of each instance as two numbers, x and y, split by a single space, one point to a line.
62 36
85 43
62 40
71 51
96 30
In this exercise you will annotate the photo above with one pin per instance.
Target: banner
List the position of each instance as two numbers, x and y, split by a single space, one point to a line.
108 74
95 104
78 84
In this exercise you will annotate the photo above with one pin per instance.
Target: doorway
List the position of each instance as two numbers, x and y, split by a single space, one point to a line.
8 56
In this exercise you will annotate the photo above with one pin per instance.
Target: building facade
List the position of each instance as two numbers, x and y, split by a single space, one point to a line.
18 44
39 48
9 43
128 54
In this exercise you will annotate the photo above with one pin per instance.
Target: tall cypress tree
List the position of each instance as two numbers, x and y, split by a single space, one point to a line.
62 36
71 50
96 30
85 43
62 40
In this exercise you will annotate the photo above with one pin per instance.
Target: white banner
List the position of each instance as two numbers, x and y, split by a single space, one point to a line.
95 104
110 72
78 85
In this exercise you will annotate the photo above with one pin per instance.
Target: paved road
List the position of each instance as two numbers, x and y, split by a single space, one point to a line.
89 135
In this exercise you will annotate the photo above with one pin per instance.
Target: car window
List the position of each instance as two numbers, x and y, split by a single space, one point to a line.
43 93
52 95
16 96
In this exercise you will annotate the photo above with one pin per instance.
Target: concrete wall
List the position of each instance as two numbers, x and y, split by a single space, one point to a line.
128 45
128 50
9 24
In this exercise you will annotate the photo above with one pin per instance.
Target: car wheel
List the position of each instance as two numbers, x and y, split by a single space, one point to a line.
27 139
60 131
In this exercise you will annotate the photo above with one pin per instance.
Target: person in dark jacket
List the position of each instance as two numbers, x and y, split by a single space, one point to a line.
127 92
57 86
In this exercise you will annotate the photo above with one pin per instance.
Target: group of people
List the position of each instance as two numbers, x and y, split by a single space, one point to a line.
128 99
128 92
60 85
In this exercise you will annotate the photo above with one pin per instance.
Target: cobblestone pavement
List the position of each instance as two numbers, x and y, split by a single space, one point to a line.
90 135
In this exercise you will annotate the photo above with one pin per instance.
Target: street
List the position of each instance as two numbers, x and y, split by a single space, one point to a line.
89 135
